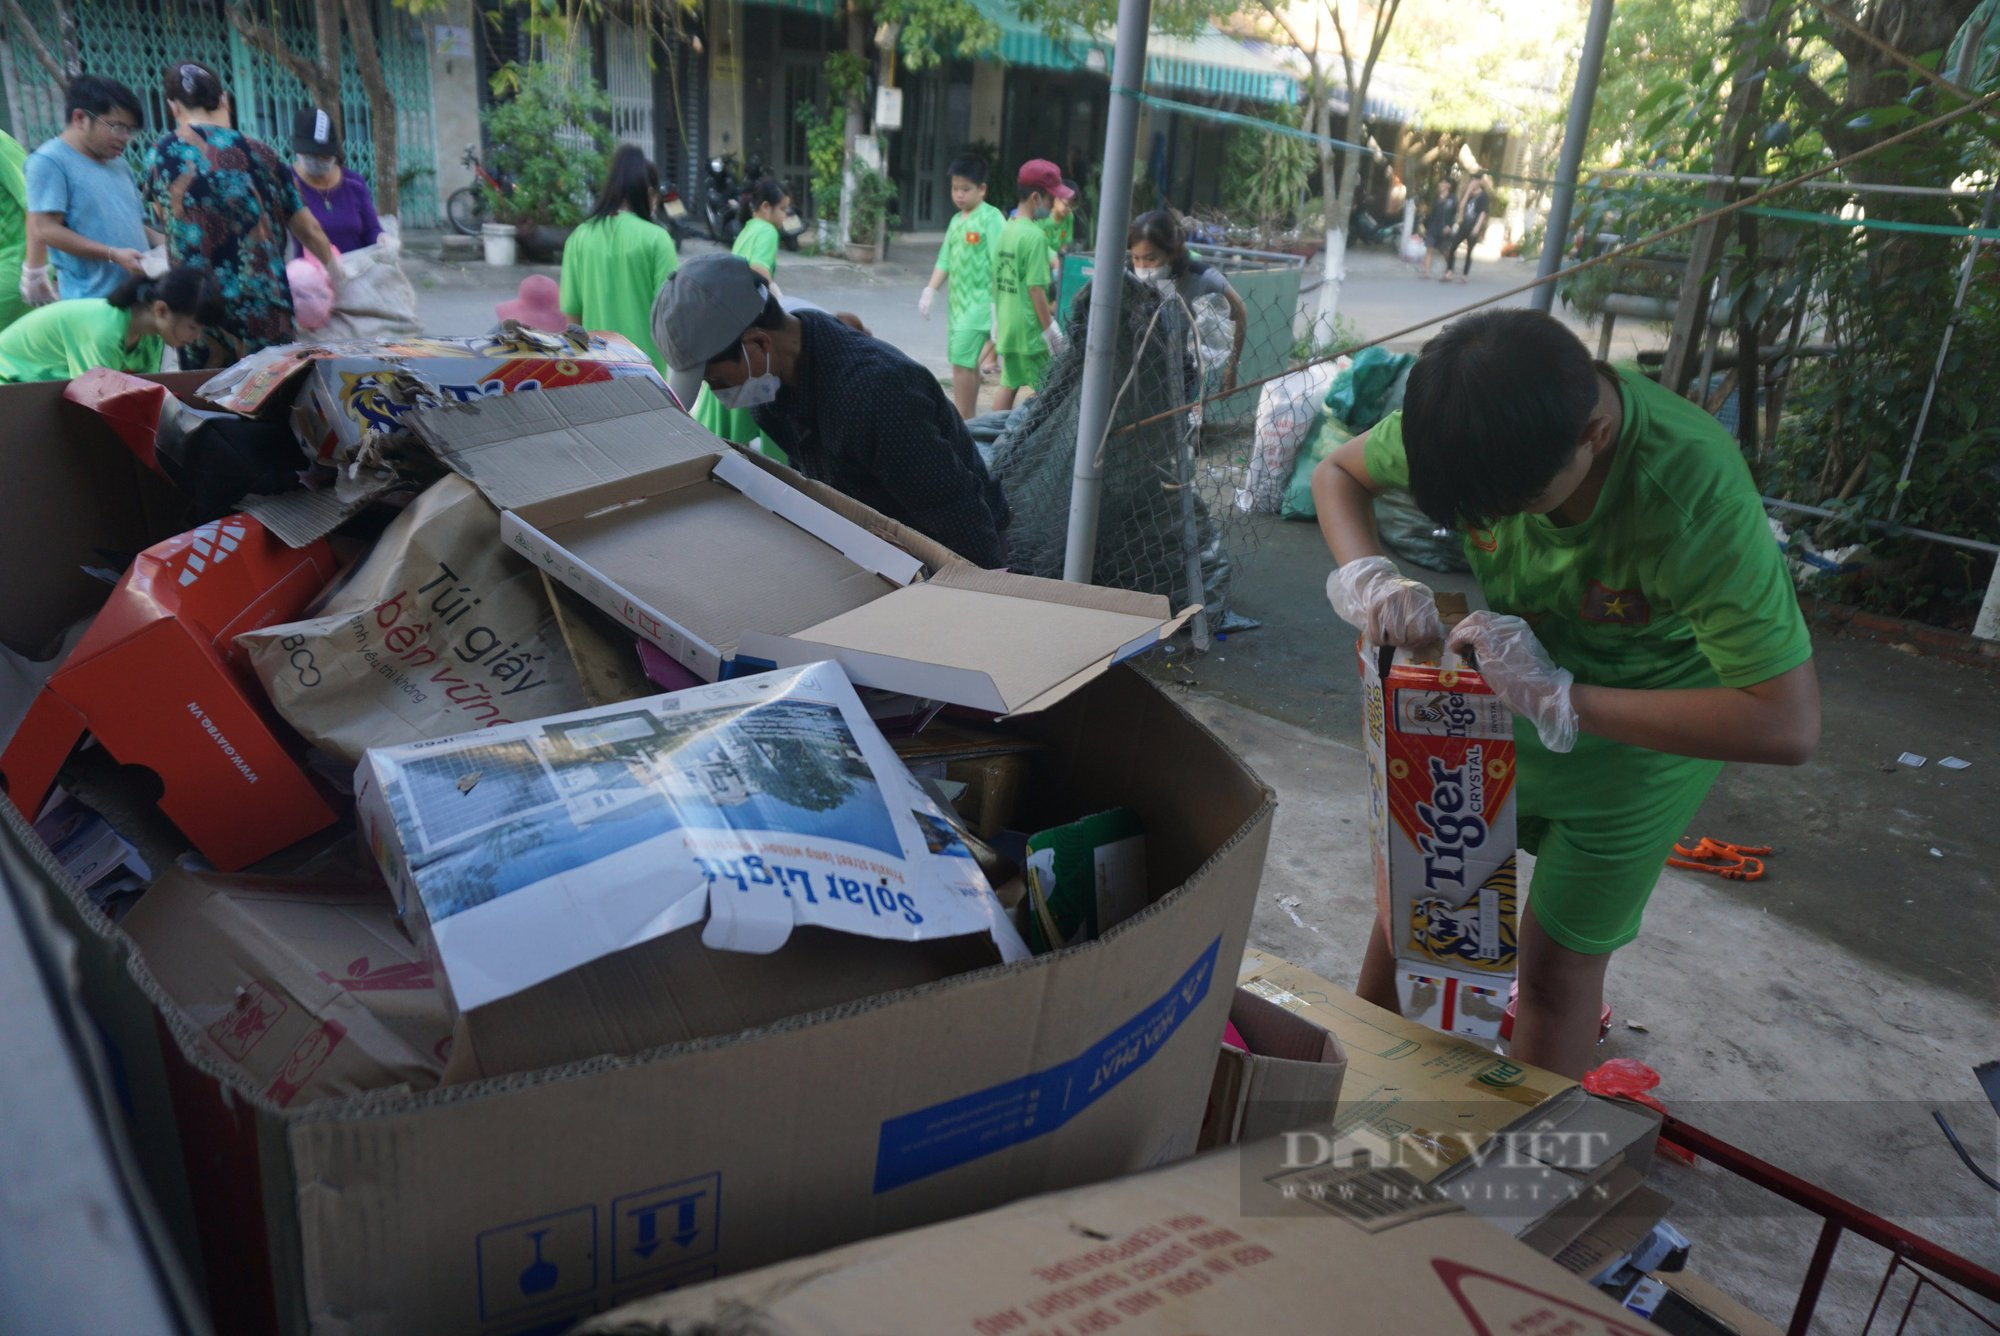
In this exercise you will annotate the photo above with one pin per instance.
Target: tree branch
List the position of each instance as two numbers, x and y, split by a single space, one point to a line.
24 31
265 40
381 107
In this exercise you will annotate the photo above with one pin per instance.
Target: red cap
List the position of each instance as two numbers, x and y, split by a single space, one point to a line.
1043 175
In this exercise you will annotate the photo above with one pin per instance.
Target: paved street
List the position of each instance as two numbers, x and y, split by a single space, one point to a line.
1814 1017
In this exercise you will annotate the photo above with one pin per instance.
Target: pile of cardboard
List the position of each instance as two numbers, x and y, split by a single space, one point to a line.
350 1126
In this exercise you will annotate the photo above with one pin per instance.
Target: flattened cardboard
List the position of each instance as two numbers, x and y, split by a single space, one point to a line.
420 1213
1290 1077
1212 1245
1440 1093
577 473
311 993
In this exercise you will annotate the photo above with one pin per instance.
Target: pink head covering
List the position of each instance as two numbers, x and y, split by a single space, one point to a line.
538 305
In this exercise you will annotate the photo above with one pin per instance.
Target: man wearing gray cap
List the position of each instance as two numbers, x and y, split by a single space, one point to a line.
849 410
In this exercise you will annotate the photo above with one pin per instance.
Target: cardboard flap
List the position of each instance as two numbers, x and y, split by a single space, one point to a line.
852 541
981 639
518 449
1273 1032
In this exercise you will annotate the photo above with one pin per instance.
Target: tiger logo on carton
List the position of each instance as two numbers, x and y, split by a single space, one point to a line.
1450 933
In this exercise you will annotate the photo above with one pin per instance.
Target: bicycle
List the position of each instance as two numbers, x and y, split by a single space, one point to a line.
470 207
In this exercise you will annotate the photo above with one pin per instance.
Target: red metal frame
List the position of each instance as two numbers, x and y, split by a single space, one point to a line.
1924 1259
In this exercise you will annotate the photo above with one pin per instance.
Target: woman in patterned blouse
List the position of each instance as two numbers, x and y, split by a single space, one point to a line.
226 202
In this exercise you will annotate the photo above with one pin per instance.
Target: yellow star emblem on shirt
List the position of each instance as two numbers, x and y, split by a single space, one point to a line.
1614 607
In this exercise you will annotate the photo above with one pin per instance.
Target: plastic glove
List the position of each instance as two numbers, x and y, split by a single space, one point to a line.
1521 674
1052 335
924 300
36 290
1387 607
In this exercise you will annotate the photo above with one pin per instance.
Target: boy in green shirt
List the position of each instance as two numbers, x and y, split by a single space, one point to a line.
1024 330
971 240
1644 628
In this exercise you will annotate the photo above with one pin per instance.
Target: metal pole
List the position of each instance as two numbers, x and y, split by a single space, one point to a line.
1107 285
1571 162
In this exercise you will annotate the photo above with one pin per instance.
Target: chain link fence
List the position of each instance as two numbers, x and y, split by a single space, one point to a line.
1184 499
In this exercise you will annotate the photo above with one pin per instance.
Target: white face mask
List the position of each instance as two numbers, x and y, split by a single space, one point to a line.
315 167
1160 275
755 391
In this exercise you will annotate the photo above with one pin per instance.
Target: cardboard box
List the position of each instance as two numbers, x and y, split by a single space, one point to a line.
593 1183
158 682
1441 811
1440 1095
1289 1078
347 400
578 477
754 808
1229 1242
1509 1142
309 990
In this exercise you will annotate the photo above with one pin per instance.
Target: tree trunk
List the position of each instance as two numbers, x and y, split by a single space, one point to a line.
381 106
22 31
1339 208
856 120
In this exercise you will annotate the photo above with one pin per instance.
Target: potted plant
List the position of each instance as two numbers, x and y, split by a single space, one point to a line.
870 214
549 146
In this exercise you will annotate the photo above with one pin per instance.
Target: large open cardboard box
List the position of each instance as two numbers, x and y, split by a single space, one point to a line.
522 1204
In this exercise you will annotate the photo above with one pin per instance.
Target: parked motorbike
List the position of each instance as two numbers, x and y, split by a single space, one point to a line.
722 200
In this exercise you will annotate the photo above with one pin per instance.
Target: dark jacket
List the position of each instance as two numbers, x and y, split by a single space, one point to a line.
869 422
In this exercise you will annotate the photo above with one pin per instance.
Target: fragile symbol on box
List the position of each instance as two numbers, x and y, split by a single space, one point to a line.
257 1009
538 1261
666 1226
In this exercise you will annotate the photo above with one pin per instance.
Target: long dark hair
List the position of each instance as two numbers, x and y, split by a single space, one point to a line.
187 289
1162 231
629 185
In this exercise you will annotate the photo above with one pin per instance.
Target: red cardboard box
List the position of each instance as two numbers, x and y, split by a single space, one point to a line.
156 681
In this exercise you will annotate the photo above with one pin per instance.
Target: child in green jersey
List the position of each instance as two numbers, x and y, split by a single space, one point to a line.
1643 629
1025 329
971 241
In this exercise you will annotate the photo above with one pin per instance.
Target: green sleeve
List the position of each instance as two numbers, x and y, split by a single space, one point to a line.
1383 454
666 259
1034 258
943 265
566 295
1728 577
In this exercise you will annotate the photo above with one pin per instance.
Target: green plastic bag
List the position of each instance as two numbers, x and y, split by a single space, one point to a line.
1327 433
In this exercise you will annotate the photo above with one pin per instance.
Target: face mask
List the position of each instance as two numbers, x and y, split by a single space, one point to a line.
1158 275
754 392
1041 213
316 166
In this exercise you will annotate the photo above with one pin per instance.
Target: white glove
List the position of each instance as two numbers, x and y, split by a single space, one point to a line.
1388 608
1521 674
36 290
1052 335
924 300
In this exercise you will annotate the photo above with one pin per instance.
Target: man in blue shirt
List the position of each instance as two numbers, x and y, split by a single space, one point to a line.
83 207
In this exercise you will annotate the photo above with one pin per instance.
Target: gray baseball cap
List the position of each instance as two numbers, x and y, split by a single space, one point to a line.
701 313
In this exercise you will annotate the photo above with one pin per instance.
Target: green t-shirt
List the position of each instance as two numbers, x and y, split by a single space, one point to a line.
1020 265
971 240
68 338
612 269
13 227
1060 231
1675 579
758 243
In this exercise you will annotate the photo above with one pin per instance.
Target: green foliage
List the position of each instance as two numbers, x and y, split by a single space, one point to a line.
1344 335
929 31
826 151
550 138
1269 174
873 195
846 77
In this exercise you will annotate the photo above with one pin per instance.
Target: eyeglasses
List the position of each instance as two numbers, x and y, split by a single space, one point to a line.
123 129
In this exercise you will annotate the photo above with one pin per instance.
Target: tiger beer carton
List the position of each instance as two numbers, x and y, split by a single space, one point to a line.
1441 811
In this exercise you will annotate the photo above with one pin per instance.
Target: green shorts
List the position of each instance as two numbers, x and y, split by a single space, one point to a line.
965 345
1024 371
1601 821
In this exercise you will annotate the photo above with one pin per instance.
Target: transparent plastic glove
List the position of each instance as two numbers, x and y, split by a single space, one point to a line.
1521 674
36 290
1387 607
1052 335
924 300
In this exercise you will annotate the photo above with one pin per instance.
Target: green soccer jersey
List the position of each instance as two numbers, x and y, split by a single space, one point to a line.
971 240
67 338
1673 581
1020 266
611 271
758 244
13 227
